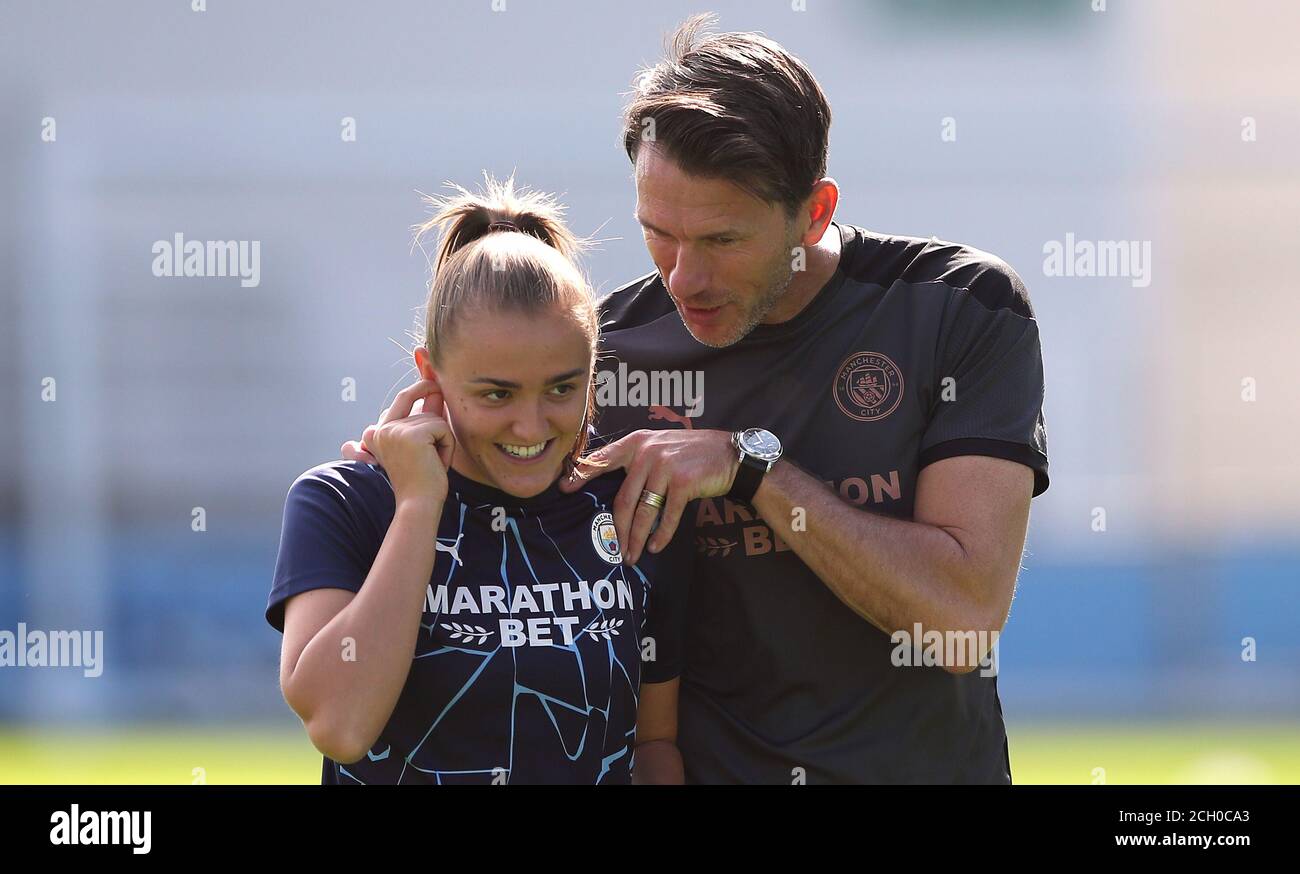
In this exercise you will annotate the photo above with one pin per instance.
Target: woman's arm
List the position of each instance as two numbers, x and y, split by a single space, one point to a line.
658 761
345 657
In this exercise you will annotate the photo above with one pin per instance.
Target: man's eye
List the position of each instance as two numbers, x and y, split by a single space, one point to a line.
724 241
564 389
497 394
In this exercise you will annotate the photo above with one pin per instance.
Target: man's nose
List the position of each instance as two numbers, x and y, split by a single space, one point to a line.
690 274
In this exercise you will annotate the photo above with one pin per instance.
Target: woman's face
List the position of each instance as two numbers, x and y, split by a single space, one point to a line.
515 385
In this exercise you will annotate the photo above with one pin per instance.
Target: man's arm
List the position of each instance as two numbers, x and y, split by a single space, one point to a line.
952 568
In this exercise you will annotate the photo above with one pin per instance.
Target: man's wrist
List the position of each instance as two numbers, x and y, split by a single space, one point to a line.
757 450
729 436
772 480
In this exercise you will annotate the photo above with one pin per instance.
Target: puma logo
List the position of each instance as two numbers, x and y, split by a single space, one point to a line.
438 547
660 413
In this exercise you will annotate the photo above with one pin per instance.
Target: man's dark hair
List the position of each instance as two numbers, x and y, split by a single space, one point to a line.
735 106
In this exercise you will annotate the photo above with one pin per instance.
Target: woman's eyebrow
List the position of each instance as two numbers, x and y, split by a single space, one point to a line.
505 383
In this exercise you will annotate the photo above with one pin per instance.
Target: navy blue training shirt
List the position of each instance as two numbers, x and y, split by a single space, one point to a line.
530 651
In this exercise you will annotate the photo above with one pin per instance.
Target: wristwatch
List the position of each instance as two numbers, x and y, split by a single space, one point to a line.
759 450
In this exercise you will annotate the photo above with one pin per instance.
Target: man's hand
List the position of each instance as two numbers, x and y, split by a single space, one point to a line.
680 465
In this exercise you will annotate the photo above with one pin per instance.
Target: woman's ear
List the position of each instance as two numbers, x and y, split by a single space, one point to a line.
423 363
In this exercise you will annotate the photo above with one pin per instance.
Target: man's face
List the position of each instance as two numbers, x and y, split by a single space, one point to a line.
724 255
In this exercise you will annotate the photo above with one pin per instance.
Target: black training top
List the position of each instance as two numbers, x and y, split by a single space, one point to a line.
916 350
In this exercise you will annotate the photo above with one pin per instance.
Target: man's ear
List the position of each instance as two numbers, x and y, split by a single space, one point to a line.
820 208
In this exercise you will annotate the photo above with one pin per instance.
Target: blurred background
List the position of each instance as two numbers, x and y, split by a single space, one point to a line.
1155 636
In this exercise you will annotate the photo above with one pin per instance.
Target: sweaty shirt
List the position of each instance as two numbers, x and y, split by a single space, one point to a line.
916 350
530 651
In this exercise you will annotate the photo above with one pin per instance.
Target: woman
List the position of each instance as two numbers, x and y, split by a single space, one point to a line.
449 615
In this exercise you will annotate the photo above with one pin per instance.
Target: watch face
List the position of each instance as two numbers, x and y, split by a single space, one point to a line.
761 444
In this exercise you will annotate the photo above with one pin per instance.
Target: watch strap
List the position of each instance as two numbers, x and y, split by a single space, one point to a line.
748 478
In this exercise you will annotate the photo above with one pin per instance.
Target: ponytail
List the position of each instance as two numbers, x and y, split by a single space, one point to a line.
505 249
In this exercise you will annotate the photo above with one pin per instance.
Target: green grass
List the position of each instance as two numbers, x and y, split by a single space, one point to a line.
1160 753
158 754
1191 752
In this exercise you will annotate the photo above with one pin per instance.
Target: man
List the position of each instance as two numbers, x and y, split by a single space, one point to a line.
864 449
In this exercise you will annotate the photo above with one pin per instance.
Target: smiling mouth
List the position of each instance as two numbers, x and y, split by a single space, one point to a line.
517 452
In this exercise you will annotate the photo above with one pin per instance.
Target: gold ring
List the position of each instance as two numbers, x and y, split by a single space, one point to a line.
653 499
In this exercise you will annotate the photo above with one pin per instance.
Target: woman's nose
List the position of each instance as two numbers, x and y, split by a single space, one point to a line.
531 425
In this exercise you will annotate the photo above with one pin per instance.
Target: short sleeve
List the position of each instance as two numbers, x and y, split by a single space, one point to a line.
330 534
988 393
669 572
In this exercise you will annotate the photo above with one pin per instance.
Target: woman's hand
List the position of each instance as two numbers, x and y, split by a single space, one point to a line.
414 448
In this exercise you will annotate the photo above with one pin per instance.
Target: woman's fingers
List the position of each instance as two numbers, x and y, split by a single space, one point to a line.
420 397
444 440
368 438
433 401
415 451
416 428
355 450
406 398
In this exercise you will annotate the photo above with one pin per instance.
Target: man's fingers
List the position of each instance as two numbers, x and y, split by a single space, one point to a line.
582 472
644 516
625 506
668 520
613 456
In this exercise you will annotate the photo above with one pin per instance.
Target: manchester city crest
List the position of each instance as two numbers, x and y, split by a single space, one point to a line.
868 386
605 538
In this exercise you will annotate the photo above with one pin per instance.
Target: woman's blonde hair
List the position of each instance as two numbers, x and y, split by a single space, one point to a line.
504 249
